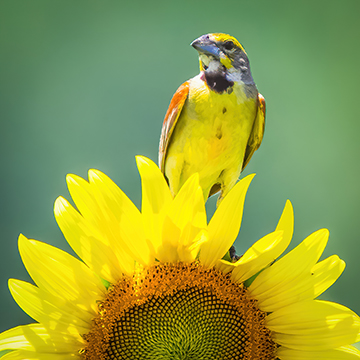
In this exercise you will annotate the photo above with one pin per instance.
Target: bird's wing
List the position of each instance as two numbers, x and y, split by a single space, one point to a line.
171 118
257 132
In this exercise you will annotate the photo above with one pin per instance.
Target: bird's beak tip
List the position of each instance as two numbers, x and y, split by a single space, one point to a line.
194 43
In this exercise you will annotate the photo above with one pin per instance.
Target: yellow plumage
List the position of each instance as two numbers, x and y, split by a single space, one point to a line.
213 124
207 140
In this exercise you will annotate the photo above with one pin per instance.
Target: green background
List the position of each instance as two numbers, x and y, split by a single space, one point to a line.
86 84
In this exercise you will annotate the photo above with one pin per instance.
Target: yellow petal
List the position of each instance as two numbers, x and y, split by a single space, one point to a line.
60 274
275 278
156 198
185 219
96 253
305 286
326 272
188 253
96 220
35 337
262 253
342 353
187 208
155 192
314 325
52 311
286 224
120 217
30 355
81 194
225 224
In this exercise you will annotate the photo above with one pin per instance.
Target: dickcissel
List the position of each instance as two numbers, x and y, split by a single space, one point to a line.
215 120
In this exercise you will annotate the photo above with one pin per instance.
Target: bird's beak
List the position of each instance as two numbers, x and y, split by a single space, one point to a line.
206 46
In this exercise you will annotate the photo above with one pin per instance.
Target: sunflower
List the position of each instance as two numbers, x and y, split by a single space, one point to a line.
158 284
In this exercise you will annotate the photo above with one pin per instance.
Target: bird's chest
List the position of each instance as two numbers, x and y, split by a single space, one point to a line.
216 126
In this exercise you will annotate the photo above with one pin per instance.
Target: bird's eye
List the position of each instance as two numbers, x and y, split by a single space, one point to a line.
229 45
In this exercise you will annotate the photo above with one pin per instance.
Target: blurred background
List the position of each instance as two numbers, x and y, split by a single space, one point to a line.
86 84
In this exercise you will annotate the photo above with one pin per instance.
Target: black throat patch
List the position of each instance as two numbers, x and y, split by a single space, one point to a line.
217 81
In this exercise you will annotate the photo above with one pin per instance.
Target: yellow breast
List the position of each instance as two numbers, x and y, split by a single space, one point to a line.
210 136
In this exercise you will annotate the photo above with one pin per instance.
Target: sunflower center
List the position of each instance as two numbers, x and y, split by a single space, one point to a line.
179 312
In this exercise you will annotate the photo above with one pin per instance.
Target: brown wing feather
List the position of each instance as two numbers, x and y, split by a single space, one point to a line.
257 133
171 117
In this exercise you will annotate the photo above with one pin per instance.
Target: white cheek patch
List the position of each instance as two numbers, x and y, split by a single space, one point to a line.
233 75
214 65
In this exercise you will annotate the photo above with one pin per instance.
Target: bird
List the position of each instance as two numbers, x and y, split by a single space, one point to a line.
215 121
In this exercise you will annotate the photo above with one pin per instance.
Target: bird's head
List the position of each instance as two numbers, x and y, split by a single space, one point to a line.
223 54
